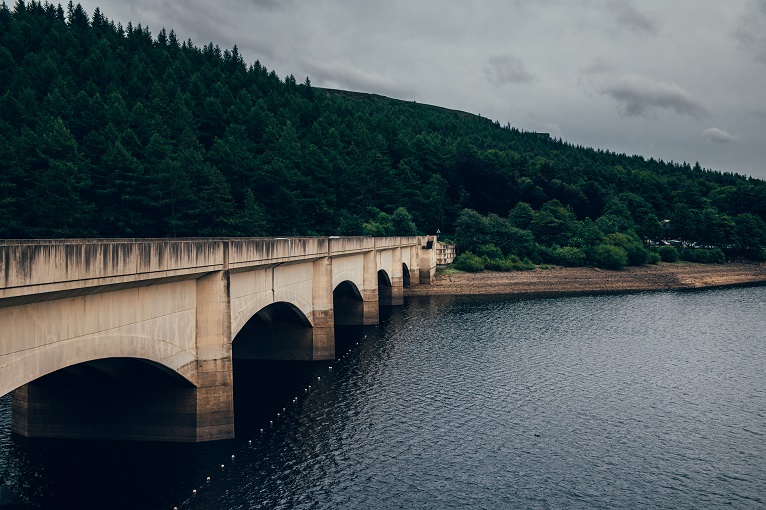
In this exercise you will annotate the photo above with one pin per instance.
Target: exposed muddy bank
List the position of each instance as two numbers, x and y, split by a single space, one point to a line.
580 280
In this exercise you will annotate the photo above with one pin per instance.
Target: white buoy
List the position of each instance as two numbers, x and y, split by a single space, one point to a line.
278 415
261 431
319 378
329 369
271 423
283 409
232 457
250 442
194 492
208 479
221 466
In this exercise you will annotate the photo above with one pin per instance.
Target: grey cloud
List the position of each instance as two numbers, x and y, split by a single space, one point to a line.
751 31
205 22
590 76
717 135
639 96
627 15
507 68
598 67
267 4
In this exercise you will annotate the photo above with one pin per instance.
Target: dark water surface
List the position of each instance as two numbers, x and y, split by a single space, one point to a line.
653 400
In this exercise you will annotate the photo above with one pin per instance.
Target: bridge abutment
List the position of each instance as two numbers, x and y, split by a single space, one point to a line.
427 261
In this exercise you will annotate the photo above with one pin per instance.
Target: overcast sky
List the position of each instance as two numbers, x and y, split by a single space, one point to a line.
681 80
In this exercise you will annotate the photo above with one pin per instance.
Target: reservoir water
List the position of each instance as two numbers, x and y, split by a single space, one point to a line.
651 400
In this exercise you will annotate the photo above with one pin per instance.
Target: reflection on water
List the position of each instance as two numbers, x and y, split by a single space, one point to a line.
645 400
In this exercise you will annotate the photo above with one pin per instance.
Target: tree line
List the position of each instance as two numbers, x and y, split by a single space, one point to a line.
110 131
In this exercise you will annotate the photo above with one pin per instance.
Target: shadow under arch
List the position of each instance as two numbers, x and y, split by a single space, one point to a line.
117 372
385 289
107 399
405 276
279 331
269 351
348 305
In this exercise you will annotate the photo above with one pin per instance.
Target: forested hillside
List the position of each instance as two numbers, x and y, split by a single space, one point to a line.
108 130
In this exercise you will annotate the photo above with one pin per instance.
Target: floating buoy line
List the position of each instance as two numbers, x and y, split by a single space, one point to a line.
280 414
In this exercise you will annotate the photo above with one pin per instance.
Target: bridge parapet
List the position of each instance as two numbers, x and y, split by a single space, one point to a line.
348 245
33 267
385 243
44 266
245 253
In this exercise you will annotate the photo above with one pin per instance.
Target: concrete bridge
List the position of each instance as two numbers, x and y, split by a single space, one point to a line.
134 338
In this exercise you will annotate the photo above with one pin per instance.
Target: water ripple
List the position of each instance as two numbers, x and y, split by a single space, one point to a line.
637 401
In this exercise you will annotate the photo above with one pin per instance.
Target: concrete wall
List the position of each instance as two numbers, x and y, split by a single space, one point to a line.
445 254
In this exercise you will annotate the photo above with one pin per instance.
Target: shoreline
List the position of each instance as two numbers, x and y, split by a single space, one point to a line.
572 281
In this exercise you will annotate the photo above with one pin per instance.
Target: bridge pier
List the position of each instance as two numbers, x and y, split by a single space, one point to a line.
323 341
214 394
397 279
369 291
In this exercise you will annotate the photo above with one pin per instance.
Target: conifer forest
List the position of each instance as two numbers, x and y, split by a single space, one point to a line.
112 131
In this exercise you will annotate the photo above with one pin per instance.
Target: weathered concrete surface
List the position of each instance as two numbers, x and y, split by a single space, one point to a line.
156 323
180 304
323 318
32 268
214 394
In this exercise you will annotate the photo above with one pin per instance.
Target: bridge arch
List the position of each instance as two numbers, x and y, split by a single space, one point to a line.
120 371
385 288
277 331
106 398
251 307
405 276
348 304
40 362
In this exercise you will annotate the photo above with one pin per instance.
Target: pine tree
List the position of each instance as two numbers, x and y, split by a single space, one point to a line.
56 206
